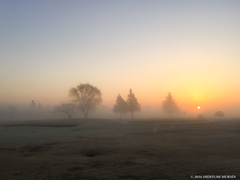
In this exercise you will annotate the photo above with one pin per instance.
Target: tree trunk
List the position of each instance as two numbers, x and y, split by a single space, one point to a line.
85 114
131 115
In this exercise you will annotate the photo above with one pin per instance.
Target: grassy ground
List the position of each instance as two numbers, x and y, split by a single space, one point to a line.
114 149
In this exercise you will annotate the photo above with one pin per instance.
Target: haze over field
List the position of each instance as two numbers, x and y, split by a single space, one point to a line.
119 89
188 48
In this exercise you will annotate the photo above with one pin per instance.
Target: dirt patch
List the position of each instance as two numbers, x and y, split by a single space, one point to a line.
42 125
96 151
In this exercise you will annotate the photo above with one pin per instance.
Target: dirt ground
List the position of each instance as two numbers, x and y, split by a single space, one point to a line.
114 149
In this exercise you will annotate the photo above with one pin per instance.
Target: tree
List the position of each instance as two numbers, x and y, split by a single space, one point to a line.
33 105
86 96
67 108
120 106
132 103
169 105
219 114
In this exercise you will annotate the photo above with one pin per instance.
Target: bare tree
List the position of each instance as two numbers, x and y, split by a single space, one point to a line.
120 106
132 103
67 108
169 105
86 96
219 114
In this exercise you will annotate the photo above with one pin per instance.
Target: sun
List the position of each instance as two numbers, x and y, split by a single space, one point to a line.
198 107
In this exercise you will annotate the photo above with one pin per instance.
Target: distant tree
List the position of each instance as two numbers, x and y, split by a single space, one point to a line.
120 106
169 105
132 103
219 114
33 105
86 97
67 108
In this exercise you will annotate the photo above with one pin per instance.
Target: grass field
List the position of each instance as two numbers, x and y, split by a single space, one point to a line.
114 149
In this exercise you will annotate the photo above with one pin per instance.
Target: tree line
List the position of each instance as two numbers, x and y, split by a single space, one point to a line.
86 97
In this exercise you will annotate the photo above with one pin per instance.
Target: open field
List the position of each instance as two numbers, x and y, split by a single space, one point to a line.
115 149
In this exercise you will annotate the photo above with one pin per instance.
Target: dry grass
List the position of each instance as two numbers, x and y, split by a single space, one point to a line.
111 149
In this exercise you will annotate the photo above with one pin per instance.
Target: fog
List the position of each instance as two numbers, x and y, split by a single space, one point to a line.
26 112
125 140
118 89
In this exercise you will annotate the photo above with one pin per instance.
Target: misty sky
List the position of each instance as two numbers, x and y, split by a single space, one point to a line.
187 47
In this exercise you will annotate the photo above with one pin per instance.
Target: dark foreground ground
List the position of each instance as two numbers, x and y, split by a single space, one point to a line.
113 149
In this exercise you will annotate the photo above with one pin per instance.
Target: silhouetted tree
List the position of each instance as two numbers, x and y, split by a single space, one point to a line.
33 105
132 103
169 105
219 114
120 106
67 108
86 96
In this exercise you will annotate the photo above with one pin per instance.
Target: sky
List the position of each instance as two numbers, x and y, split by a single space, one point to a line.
189 48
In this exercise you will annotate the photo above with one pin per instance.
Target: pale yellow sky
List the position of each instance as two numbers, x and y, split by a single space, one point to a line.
190 48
